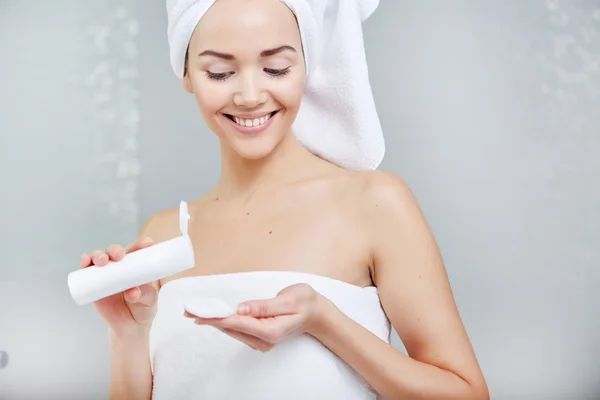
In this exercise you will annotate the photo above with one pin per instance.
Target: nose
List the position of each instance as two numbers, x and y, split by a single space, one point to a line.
250 93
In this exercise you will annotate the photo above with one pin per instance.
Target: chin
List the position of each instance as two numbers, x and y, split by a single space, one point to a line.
257 149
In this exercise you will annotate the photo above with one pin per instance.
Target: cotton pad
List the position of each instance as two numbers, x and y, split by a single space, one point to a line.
208 308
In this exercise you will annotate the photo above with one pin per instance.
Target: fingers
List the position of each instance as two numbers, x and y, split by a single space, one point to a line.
269 330
252 341
85 261
265 331
98 257
132 295
139 244
280 305
141 301
114 252
101 258
145 295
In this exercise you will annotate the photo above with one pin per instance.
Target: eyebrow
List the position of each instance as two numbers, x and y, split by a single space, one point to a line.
263 54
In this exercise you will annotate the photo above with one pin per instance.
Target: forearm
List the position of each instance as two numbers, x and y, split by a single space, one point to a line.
391 373
130 371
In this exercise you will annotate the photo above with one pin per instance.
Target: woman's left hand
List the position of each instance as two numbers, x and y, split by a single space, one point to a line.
261 324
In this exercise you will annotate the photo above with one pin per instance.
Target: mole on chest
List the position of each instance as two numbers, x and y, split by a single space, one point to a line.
244 244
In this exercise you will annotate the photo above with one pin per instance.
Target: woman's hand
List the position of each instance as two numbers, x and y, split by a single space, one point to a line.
261 324
132 309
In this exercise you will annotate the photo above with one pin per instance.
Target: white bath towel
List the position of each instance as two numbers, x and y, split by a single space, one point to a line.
338 119
191 361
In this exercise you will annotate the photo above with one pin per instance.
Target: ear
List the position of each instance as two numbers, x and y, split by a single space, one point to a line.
187 84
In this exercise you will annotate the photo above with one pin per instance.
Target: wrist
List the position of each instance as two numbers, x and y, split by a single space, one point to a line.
129 335
324 312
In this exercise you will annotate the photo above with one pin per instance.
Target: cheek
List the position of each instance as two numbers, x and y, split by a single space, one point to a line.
289 94
210 96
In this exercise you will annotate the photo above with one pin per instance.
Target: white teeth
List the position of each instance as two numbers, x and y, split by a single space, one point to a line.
252 122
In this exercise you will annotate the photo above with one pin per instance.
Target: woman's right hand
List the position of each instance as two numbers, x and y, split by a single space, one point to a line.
133 310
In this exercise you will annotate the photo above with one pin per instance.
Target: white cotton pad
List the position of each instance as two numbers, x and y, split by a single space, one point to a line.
208 308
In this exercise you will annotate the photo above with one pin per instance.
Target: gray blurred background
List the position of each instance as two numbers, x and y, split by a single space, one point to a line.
492 115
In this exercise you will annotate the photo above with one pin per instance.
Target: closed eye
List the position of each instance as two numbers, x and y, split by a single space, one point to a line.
220 76
277 72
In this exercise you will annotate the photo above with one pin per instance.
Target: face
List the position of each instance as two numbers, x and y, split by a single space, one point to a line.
246 69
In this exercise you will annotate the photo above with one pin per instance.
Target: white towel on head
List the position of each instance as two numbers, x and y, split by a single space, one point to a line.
338 119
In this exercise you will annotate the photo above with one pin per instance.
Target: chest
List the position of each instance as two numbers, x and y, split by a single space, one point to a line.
289 234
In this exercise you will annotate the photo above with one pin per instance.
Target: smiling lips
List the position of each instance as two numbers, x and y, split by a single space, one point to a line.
251 125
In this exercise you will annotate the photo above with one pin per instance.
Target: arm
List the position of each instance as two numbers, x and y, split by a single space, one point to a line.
417 298
130 370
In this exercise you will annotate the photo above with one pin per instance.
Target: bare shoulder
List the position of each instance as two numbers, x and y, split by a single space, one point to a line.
162 226
382 194
386 208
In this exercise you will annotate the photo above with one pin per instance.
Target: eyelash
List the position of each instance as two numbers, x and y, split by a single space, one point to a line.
273 74
277 73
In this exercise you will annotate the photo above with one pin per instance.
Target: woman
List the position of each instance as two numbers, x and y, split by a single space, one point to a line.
319 258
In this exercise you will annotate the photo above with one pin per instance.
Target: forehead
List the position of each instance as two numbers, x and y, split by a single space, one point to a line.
250 23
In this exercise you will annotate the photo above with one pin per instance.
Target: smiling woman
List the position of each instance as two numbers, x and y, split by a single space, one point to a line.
315 254
236 83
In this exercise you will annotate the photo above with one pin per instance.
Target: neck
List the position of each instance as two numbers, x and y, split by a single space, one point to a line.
242 177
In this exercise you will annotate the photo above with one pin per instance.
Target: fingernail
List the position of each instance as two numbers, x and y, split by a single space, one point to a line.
147 240
119 253
243 309
83 257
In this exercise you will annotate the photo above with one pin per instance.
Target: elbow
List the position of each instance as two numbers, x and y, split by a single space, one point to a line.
477 388
480 392
472 389
485 395
482 395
